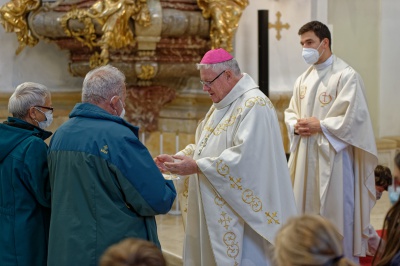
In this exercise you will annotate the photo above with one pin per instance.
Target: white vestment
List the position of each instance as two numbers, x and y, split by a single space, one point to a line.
244 194
333 172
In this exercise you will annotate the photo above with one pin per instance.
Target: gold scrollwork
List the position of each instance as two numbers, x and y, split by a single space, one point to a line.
225 16
255 100
260 101
188 151
86 34
232 246
13 17
219 201
223 126
222 168
147 72
114 17
185 192
254 201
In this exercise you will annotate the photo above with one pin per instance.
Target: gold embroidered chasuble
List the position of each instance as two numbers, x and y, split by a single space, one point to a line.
244 194
334 95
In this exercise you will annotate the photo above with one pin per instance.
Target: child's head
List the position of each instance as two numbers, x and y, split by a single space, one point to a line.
383 179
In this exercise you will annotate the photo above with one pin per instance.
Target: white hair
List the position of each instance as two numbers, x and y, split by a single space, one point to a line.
102 83
230 64
25 96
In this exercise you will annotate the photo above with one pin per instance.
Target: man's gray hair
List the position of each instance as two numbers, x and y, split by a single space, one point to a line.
230 64
25 96
102 83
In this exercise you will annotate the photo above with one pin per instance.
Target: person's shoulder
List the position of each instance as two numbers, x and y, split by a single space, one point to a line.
342 66
396 259
256 97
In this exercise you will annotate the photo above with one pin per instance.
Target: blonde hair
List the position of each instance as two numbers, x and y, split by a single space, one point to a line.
132 252
309 240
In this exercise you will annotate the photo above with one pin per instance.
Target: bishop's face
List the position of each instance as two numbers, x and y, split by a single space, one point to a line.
215 84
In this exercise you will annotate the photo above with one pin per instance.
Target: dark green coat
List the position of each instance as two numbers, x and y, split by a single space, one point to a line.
96 160
24 194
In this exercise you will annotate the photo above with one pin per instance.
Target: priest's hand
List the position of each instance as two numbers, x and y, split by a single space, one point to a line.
161 159
307 126
182 165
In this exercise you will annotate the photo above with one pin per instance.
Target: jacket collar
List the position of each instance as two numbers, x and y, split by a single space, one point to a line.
93 111
36 131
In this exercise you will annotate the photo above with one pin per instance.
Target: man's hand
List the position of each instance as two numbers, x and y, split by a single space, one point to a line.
182 165
307 126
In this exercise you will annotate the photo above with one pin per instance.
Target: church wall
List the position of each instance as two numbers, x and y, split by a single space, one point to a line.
285 61
356 27
44 63
389 65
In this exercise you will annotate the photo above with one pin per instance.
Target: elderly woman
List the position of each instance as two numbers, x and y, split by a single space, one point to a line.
24 177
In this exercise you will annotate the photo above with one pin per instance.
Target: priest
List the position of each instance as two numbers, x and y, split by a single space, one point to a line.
235 183
333 151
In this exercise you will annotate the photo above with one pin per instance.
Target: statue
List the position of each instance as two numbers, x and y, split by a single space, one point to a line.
114 17
13 17
225 16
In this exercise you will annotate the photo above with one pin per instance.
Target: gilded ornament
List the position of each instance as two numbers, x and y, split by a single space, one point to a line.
114 17
147 72
85 35
225 16
13 17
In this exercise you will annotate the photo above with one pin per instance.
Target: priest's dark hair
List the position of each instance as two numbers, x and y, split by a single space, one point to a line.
320 29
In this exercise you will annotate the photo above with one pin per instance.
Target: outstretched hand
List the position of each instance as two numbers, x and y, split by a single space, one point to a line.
181 165
161 159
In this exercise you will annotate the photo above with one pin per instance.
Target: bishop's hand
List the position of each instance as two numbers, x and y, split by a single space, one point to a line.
182 165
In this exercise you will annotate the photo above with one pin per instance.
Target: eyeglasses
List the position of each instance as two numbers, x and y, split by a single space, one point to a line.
208 83
45 107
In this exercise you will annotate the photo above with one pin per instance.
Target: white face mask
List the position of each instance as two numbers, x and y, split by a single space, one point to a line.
49 119
122 114
311 55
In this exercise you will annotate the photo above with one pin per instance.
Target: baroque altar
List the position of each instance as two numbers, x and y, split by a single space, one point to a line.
156 43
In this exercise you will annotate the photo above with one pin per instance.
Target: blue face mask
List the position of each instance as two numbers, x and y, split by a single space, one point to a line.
394 194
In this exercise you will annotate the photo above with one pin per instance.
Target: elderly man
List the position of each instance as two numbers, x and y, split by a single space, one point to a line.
333 151
239 189
24 177
105 185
